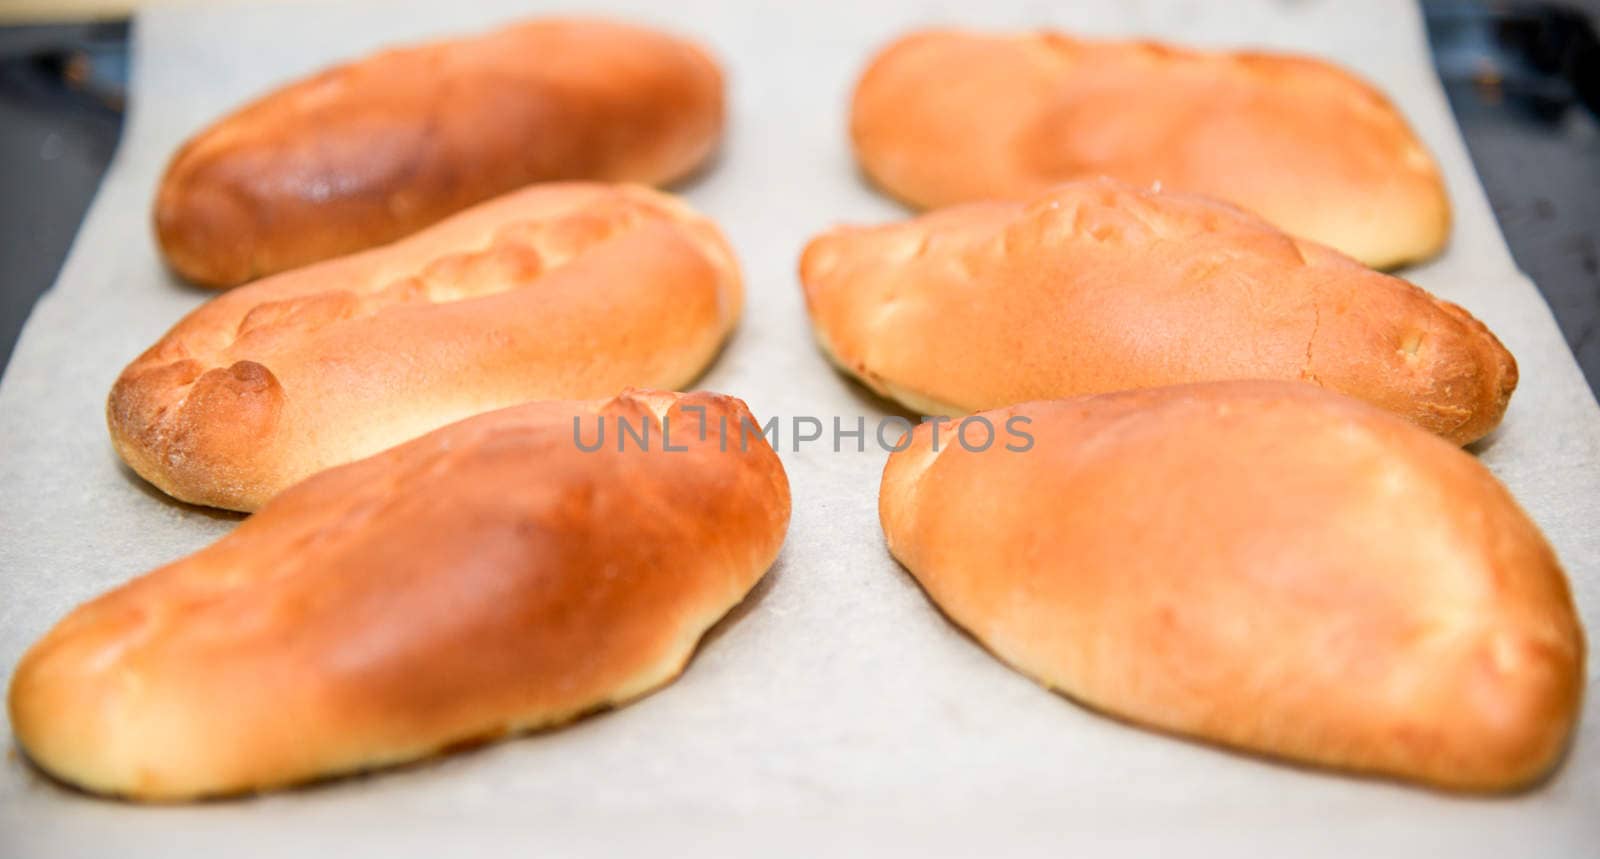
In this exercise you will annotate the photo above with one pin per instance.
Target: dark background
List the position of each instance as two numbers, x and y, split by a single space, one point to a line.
1523 80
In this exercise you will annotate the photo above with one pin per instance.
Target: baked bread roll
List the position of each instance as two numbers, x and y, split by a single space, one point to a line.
491 577
566 291
1096 286
945 117
365 153
1258 564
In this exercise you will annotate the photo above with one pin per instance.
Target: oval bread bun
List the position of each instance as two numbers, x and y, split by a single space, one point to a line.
1262 565
943 117
371 151
565 291
491 577
1097 286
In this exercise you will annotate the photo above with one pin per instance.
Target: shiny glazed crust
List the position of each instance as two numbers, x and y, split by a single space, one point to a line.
365 153
1097 286
488 578
944 117
557 291
1258 564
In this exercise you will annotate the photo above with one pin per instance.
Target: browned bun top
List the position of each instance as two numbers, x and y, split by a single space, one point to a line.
557 291
1097 286
367 152
1259 564
492 576
948 116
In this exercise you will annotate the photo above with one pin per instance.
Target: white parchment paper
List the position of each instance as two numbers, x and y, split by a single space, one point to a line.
836 708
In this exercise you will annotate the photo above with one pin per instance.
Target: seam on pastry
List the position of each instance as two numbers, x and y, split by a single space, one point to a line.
613 214
1316 325
435 281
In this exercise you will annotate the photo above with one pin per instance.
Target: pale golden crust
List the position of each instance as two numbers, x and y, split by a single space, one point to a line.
944 117
1258 564
368 152
555 292
489 577
1097 286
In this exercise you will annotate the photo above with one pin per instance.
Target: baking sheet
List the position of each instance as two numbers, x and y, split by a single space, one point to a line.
836 708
